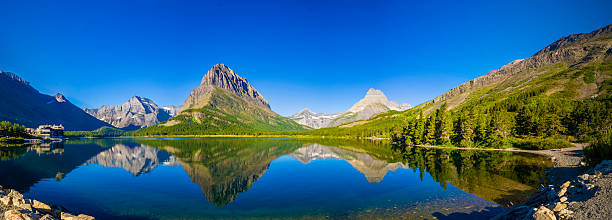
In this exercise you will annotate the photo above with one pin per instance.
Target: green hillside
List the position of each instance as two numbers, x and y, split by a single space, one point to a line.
560 94
225 114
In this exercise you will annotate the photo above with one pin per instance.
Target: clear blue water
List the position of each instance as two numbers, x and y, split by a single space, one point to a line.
268 178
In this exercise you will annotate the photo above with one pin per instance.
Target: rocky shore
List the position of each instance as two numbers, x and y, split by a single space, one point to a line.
13 206
586 196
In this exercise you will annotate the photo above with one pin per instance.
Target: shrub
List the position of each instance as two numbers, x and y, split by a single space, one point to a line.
542 143
600 149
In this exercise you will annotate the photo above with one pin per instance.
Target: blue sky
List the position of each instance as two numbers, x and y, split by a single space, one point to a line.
323 55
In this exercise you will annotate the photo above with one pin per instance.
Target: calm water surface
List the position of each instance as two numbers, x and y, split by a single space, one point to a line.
269 178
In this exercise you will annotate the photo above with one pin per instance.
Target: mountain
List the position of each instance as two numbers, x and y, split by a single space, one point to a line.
138 112
23 104
313 120
576 67
224 103
373 103
172 110
552 83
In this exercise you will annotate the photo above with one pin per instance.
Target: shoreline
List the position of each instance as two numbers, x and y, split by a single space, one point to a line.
13 205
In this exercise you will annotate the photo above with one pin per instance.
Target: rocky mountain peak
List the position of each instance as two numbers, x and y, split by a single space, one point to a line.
137 112
376 97
305 111
374 92
60 98
221 76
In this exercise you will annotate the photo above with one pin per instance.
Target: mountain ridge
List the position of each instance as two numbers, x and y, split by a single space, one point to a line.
137 112
25 105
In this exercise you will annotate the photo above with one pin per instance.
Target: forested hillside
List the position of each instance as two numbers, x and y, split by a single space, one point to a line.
559 95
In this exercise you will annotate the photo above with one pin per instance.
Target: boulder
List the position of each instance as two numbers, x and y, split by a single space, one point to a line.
13 193
6 201
562 192
13 215
68 216
559 206
544 213
42 207
565 185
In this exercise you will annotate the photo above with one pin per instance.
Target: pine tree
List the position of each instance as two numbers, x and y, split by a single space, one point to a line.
430 131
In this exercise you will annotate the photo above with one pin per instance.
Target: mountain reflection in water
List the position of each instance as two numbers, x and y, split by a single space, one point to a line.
226 168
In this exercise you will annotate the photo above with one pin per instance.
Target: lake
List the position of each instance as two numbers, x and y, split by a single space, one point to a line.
253 178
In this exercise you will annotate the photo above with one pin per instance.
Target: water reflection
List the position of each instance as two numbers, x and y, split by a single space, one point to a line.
135 158
225 170
373 169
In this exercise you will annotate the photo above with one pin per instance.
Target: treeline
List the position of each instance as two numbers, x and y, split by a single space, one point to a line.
8 129
536 123
13 133
100 132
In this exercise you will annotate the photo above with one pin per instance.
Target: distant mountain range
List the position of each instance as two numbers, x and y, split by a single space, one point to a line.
136 113
224 102
21 103
373 103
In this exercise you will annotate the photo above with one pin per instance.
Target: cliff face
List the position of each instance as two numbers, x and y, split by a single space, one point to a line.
221 76
136 113
23 104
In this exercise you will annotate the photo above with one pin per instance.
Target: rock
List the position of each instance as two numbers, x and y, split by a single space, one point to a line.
544 213
22 215
68 216
565 213
563 199
13 215
47 217
13 193
42 207
561 192
589 186
598 174
25 206
6 201
566 184
584 177
85 217
559 206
